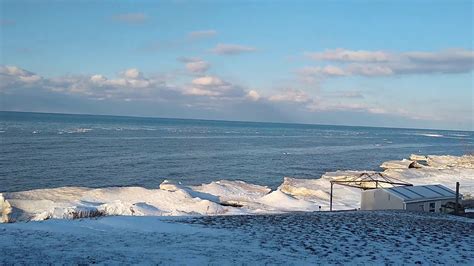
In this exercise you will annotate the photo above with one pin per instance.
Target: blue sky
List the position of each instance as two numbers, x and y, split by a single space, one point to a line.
377 63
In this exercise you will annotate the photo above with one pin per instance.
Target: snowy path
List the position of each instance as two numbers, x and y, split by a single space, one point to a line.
342 237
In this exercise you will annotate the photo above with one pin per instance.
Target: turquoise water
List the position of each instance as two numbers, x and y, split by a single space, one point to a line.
52 150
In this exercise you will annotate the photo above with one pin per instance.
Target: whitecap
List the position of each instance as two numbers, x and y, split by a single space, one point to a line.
432 135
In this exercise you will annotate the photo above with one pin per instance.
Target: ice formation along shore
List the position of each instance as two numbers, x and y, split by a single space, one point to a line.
227 197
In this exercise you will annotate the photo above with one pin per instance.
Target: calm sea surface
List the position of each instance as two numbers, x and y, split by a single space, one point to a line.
52 150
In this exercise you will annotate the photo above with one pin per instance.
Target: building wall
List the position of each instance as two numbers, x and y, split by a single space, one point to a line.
379 199
425 205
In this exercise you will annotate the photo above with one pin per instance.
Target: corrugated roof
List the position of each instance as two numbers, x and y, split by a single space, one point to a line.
426 192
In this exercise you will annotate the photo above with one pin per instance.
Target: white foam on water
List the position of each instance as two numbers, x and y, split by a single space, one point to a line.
432 135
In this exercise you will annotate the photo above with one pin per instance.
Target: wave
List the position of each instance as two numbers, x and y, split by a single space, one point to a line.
224 197
75 130
432 135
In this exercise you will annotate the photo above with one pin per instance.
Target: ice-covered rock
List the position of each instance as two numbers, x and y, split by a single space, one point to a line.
445 161
448 161
70 203
402 164
5 209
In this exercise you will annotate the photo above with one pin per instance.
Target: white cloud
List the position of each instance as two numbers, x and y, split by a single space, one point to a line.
232 49
198 67
11 76
98 79
349 55
132 73
368 70
201 92
253 95
291 95
326 71
208 81
215 88
367 63
204 92
131 18
344 106
202 34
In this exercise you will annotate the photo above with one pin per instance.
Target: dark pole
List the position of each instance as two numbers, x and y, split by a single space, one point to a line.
330 199
456 209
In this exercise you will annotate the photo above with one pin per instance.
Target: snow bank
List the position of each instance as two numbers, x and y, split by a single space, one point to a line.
226 197
233 192
318 192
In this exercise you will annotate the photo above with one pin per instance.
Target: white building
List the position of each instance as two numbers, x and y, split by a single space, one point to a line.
428 198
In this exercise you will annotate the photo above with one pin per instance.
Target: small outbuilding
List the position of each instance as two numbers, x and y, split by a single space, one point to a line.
428 198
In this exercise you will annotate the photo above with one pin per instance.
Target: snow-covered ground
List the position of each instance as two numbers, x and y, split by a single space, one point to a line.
356 237
227 197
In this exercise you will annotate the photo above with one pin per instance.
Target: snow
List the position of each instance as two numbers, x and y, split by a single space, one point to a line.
317 191
237 192
357 237
226 197
398 164
445 161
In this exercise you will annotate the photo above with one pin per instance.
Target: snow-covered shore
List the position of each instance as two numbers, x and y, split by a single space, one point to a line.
355 237
226 197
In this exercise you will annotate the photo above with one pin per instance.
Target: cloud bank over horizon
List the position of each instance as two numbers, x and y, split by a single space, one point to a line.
202 92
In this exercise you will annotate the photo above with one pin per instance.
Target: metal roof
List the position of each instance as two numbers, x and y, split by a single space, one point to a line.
421 193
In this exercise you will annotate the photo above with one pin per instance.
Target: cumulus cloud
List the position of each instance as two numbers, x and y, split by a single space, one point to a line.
205 92
327 71
202 34
378 63
131 18
215 87
11 76
208 81
198 66
350 56
231 49
347 106
291 95
132 73
195 65
130 84
253 95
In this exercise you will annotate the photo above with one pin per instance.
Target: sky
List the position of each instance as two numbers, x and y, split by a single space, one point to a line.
368 63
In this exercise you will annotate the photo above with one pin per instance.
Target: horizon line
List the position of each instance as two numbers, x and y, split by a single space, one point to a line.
234 121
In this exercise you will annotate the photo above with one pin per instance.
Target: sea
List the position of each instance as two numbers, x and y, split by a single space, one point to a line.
40 150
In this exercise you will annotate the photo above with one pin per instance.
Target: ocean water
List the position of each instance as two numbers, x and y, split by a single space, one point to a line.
54 150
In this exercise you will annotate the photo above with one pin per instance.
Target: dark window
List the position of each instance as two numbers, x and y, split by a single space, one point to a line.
432 207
